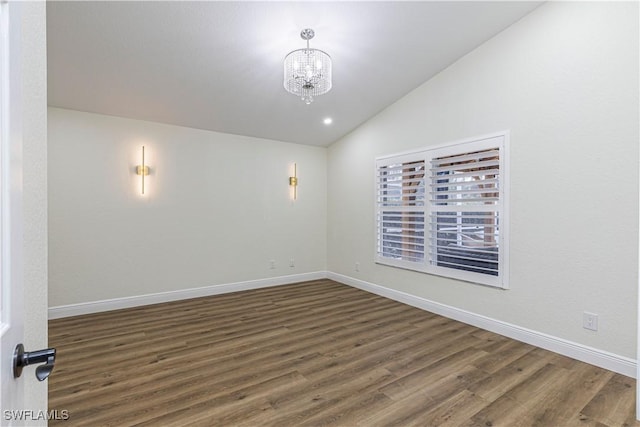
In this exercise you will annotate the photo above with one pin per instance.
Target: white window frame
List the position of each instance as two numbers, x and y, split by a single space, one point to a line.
498 140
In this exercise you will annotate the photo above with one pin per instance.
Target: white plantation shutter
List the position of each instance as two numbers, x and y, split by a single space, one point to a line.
400 210
465 209
443 211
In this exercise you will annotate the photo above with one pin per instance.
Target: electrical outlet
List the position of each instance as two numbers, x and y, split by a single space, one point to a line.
590 321
292 263
272 264
357 266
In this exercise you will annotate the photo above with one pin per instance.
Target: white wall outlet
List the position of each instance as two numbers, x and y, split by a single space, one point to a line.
272 264
590 321
292 262
357 267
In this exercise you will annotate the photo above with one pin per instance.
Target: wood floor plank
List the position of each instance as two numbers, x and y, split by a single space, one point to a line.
432 349
416 407
612 404
194 406
419 379
495 385
502 356
453 411
316 353
510 409
332 399
562 405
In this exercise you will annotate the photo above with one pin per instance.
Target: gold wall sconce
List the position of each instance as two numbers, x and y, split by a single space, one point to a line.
142 170
293 181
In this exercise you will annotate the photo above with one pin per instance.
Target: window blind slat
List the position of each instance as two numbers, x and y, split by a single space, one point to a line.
404 249
398 181
407 205
456 177
466 157
467 267
399 173
434 235
468 200
479 166
442 217
401 227
397 231
454 191
463 254
490 250
461 183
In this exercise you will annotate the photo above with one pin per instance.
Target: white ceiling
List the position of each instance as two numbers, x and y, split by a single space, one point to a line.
218 65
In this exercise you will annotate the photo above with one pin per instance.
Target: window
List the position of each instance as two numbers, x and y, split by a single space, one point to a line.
401 214
443 210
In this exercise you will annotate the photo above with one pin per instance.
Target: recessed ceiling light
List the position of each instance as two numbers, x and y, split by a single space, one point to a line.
328 121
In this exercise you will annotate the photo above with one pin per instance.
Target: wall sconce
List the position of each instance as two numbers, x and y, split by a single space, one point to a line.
293 181
142 170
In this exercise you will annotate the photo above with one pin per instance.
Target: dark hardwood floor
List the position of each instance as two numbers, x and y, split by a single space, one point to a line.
314 354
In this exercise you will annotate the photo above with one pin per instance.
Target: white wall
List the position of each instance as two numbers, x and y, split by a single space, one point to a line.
564 81
217 208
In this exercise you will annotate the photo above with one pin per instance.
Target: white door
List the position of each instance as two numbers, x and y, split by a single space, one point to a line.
11 268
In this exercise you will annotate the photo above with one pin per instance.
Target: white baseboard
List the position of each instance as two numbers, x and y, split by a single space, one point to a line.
613 362
601 358
139 300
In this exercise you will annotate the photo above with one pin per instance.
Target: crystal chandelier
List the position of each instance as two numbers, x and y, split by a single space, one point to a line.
307 72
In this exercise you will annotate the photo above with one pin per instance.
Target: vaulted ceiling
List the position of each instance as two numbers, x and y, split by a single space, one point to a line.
218 65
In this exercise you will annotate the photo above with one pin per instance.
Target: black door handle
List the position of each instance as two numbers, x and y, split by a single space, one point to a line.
22 358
